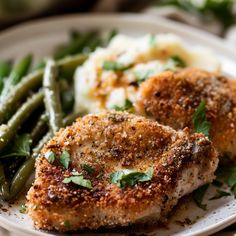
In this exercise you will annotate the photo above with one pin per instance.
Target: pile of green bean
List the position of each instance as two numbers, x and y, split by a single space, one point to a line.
35 104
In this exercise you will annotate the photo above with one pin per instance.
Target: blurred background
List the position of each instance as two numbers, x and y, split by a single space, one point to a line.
215 16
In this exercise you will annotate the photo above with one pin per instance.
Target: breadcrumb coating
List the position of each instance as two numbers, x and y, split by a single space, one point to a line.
171 98
109 142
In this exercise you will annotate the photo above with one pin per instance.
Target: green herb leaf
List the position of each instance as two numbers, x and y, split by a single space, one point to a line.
198 196
21 147
50 156
88 168
231 176
173 63
200 123
143 75
178 61
79 180
67 223
5 69
220 194
115 66
127 106
152 40
128 177
228 175
65 159
22 208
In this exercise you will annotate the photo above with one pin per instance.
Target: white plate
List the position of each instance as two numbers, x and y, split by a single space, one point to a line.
41 37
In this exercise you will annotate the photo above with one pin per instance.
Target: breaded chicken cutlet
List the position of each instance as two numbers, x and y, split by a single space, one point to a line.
171 98
136 171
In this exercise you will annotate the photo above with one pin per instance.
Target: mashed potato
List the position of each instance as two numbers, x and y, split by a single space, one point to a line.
110 78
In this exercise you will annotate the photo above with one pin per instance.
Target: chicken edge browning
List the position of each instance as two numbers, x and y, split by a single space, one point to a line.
109 142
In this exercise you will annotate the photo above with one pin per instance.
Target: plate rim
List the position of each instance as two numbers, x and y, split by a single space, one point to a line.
220 44
214 40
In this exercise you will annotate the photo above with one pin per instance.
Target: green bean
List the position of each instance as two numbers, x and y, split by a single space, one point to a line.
23 173
34 80
39 129
68 120
19 92
8 131
68 65
20 69
109 37
18 181
5 191
4 184
41 143
5 69
52 96
74 35
2 175
21 177
76 45
27 168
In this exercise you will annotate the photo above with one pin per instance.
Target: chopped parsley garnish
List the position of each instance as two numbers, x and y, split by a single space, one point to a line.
129 177
200 122
178 61
228 174
220 194
88 168
128 105
67 223
143 75
22 208
65 159
198 196
173 63
115 66
20 147
50 156
79 180
152 40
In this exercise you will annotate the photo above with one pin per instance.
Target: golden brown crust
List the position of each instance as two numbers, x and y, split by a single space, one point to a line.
172 97
110 142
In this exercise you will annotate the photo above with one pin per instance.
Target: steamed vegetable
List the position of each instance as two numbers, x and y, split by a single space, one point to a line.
22 93
52 96
7 131
33 81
